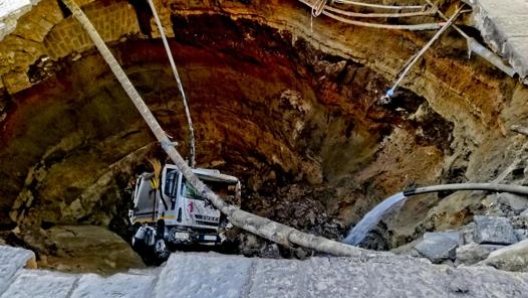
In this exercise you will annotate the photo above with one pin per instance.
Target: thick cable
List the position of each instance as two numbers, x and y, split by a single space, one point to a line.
395 7
380 15
416 27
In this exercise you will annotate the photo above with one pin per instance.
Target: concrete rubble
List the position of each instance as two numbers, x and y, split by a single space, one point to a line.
369 274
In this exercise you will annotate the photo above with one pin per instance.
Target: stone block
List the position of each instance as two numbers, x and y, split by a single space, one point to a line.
473 253
438 247
203 276
40 284
12 259
118 285
493 230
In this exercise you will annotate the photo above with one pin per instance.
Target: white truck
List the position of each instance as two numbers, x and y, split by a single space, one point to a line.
170 212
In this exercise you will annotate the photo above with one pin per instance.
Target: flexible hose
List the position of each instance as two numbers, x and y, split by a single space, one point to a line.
516 189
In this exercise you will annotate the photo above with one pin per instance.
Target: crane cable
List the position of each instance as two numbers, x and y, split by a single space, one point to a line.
178 81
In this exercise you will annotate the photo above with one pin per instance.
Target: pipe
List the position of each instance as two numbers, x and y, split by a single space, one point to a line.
492 58
475 47
516 189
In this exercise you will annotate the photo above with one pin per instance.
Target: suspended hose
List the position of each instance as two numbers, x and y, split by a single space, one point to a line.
517 189
180 85
417 56
396 7
380 15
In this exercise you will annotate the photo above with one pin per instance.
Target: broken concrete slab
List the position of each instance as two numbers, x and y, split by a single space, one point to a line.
493 230
502 27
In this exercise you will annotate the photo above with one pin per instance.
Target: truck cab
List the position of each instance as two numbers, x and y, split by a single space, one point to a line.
171 212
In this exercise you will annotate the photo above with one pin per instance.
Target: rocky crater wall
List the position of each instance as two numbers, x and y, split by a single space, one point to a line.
286 102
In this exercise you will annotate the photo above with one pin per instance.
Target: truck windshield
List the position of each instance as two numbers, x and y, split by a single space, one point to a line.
190 192
221 189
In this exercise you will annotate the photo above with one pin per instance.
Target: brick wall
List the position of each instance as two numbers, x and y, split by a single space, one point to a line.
112 21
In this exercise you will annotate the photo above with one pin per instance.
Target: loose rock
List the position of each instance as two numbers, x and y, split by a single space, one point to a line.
473 253
511 258
467 232
521 234
517 203
493 230
437 247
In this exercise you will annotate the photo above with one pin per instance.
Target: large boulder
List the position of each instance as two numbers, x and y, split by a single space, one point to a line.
90 249
493 230
438 247
511 258
473 253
